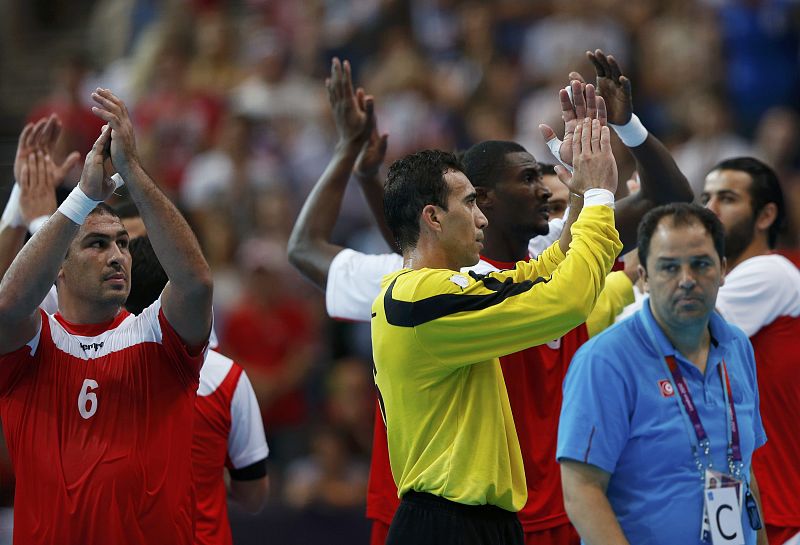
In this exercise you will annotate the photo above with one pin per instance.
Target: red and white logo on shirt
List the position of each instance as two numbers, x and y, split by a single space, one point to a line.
666 388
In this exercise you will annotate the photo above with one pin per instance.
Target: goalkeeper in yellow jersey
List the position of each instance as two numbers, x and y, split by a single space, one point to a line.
437 334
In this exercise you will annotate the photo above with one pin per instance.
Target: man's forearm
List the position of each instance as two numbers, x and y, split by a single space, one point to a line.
173 241
11 241
310 249
662 181
35 268
587 505
591 514
575 207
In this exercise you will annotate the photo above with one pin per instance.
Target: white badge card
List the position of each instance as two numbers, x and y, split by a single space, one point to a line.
713 480
724 516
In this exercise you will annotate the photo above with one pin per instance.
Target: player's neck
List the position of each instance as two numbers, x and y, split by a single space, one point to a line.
79 312
506 247
758 247
426 257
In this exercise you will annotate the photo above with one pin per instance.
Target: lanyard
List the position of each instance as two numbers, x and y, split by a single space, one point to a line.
690 414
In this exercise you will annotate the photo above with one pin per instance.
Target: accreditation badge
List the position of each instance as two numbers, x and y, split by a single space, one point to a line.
722 509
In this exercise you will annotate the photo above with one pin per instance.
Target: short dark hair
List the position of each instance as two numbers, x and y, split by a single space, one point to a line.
103 208
547 169
682 214
412 183
485 163
147 276
764 188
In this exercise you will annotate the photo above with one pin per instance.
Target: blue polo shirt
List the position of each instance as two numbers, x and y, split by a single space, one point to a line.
615 416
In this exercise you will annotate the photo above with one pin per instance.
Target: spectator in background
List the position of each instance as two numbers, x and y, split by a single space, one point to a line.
175 122
712 139
214 67
329 477
776 141
79 127
273 334
221 187
761 41
349 401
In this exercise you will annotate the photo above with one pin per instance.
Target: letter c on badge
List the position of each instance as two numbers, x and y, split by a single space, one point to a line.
725 536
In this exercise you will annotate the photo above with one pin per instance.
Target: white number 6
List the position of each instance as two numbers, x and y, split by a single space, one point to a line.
87 401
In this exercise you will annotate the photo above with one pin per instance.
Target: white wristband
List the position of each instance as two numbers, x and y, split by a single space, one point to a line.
12 215
37 223
632 133
598 196
77 205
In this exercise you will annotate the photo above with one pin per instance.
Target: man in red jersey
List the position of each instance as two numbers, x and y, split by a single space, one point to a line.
511 195
97 404
761 295
228 431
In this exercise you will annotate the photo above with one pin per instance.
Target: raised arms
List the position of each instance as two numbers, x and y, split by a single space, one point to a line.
361 146
186 300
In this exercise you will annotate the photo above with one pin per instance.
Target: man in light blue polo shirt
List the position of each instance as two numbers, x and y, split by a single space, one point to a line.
646 408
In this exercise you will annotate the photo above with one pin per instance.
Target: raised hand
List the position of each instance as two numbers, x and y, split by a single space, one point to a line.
348 106
584 103
373 151
594 162
612 86
94 183
113 111
42 136
37 187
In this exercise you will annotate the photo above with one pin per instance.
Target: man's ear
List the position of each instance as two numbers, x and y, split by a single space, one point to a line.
485 198
430 218
643 276
767 216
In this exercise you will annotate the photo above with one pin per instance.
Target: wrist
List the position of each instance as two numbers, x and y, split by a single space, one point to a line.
365 175
12 215
633 133
78 205
127 168
598 196
348 147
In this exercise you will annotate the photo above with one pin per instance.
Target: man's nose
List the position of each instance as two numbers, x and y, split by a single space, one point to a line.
480 220
114 254
687 280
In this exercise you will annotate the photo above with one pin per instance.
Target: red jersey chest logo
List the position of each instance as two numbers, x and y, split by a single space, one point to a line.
666 388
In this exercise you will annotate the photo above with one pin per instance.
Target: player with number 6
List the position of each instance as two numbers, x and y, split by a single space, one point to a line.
97 404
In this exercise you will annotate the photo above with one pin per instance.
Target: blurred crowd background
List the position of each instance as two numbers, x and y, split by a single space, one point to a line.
233 123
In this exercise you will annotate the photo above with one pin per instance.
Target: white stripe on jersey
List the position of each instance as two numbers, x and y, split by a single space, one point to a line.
215 369
132 331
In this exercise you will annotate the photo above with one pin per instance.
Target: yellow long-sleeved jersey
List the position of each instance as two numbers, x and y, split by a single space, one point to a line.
436 337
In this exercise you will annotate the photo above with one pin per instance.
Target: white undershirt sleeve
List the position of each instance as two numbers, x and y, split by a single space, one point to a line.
758 291
539 244
246 441
354 281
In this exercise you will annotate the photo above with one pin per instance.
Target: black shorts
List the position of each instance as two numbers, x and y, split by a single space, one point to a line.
425 519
